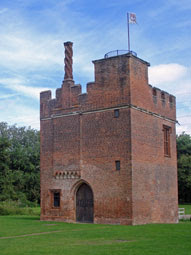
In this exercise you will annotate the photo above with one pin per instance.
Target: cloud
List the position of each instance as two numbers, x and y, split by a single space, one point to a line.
184 124
23 49
7 96
166 73
18 52
183 128
16 111
16 84
183 91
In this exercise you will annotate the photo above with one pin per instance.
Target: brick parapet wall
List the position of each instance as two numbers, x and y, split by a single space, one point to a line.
121 80
147 97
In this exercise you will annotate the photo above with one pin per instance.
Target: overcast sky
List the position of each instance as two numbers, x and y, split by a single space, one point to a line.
32 33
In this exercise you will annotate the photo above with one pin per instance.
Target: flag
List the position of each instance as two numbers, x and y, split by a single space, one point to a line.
132 18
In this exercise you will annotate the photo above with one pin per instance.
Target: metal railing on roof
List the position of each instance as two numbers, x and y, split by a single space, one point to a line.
119 52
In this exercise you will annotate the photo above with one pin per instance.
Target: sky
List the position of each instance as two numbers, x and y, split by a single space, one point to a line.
32 33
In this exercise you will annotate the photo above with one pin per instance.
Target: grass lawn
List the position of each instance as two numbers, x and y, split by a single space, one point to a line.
26 235
187 208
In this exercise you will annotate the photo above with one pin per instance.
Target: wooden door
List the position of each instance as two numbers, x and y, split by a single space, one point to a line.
84 204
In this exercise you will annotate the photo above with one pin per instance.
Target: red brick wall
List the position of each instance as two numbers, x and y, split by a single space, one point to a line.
105 139
94 141
81 140
154 176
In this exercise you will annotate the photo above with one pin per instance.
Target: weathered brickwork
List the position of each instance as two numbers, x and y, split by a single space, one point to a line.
83 138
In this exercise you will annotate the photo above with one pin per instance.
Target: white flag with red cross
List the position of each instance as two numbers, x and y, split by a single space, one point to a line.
132 18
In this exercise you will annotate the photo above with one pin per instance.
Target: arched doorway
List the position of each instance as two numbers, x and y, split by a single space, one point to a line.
84 204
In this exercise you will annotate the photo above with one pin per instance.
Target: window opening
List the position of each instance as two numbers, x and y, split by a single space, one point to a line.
170 99
154 92
167 131
154 95
116 113
162 96
56 199
117 165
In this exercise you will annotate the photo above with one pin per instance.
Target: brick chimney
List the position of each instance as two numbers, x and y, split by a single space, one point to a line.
68 61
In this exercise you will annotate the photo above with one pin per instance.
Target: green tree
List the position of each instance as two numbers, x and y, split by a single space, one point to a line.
19 163
184 167
6 185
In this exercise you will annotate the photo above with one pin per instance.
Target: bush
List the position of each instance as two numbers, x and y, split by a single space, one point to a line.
15 208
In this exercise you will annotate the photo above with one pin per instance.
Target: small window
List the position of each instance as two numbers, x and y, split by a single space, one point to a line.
162 96
154 95
116 113
170 99
154 92
117 165
56 197
167 132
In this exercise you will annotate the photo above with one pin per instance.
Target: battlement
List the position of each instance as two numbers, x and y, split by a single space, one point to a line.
162 96
119 80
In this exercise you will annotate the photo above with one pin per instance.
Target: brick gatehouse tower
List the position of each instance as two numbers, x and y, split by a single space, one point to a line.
109 155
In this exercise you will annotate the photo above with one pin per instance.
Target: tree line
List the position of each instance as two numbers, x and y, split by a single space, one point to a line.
20 165
184 167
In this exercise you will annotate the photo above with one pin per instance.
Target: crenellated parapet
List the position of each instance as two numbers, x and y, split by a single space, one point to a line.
163 102
163 98
119 81
46 104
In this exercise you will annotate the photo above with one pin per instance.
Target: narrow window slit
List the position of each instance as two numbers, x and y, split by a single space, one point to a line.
116 113
167 131
117 165
56 197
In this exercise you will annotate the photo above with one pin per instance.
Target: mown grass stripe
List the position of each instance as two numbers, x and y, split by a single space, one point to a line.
33 234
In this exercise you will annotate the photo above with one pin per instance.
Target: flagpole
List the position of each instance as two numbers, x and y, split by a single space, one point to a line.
128 32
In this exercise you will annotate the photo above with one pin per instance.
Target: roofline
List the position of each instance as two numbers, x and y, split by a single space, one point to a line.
122 55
